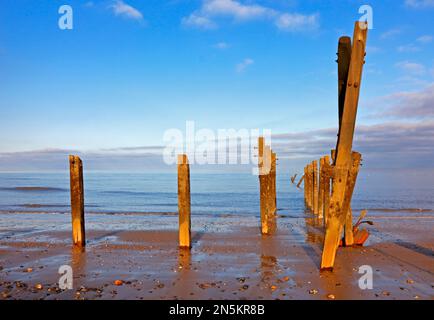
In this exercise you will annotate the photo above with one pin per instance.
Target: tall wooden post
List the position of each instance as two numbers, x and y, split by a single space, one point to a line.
263 186
77 201
308 186
184 205
321 188
344 58
315 187
346 207
344 147
273 183
326 180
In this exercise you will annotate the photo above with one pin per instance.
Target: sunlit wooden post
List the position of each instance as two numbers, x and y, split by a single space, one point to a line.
184 205
321 188
77 201
326 180
273 183
346 207
344 147
306 185
263 185
315 187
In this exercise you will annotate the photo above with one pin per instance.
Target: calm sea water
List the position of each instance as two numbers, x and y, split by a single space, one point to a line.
381 192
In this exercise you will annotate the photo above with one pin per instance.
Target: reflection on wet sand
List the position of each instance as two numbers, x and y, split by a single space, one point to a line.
314 230
78 262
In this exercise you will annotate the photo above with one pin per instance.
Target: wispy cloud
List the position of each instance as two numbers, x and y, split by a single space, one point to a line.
122 9
241 67
212 9
408 48
411 67
390 34
425 39
221 45
419 3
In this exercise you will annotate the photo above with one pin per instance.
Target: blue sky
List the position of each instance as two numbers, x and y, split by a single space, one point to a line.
129 70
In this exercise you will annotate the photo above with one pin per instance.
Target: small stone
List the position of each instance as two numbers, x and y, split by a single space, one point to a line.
416 297
118 282
29 270
409 281
286 279
313 291
385 293
273 288
39 286
331 296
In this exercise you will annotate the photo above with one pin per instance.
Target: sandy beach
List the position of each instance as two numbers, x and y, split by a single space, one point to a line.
234 262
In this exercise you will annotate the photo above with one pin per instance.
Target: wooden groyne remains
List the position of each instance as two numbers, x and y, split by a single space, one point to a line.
328 182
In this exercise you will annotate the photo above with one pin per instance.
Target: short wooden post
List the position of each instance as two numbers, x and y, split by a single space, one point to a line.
77 201
321 188
306 185
315 186
351 182
184 205
344 148
326 180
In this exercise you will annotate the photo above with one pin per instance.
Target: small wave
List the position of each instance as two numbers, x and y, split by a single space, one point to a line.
416 210
33 189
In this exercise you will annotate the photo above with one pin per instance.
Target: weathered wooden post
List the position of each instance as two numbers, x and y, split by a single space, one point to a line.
184 205
327 176
346 207
311 186
263 186
344 58
315 187
273 183
344 147
321 188
77 201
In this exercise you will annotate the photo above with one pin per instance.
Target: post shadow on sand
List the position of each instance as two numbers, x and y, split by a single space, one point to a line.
78 262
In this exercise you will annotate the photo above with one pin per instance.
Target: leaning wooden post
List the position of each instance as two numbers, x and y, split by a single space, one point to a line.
184 206
344 58
327 171
77 201
321 188
315 187
346 207
344 147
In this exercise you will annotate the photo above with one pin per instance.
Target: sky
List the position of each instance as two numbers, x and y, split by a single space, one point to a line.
130 70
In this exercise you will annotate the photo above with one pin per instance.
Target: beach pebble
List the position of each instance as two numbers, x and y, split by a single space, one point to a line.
313 291
39 286
385 293
409 281
29 270
118 282
331 296
273 288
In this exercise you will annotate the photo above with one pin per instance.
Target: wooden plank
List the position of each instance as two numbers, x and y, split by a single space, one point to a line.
263 185
273 183
77 201
344 148
306 185
300 182
184 202
346 207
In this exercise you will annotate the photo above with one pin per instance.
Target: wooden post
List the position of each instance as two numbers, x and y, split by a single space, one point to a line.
315 187
344 58
308 180
344 147
263 186
300 181
321 188
77 201
184 205
327 176
306 185
273 183
346 207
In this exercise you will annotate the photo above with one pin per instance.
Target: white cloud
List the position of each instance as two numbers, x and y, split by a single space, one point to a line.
196 20
221 45
296 22
241 67
419 3
411 67
425 39
390 34
408 48
120 8
211 9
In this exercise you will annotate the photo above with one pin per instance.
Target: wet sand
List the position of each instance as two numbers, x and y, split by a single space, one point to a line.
235 264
